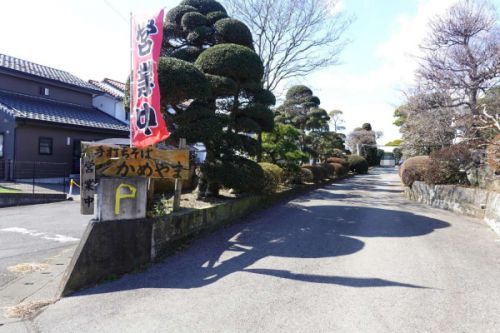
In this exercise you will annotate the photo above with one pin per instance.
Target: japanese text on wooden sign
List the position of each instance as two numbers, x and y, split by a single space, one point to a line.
116 161
87 185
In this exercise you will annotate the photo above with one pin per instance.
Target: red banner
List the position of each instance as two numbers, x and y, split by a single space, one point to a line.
146 121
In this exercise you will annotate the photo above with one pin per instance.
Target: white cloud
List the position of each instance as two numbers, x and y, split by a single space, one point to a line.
336 6
373 96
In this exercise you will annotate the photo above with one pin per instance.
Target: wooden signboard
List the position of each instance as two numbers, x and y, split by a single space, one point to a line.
87 185
116 161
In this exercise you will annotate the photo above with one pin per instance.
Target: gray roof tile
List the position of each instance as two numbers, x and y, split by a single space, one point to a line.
45 72
109 88
22 106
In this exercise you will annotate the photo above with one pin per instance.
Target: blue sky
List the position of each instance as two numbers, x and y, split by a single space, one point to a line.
91 39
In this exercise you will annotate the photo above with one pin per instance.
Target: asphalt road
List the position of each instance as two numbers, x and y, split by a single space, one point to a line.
31 234
352 257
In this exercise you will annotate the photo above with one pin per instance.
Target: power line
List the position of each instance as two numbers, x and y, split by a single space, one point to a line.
113 8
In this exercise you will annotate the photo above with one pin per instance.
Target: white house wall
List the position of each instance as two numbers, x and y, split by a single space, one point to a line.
111 106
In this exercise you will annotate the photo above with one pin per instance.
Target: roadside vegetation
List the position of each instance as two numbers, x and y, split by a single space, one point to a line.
451 116
218 89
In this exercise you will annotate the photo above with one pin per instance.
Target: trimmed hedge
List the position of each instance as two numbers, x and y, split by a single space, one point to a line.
320 172
330 169
233 61
357 164
338 160
306 176
273 176
493 155
241 174
229 30
340 170
447 165
413 169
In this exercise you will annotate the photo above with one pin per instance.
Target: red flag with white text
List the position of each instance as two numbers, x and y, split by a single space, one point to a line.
146 121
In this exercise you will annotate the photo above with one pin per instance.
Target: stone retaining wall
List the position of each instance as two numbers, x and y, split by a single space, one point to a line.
109 249
473 202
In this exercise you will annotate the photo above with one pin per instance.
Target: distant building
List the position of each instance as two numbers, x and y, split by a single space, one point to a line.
45 113
111 101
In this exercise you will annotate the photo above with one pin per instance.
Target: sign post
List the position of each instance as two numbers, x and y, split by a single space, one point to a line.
107 162
87 184
178 181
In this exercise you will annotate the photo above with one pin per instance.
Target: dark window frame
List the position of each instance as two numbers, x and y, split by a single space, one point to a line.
51 145
44 91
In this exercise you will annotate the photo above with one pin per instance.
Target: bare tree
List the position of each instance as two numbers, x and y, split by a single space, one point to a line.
293 37
338 121
462 57
427 123
360 138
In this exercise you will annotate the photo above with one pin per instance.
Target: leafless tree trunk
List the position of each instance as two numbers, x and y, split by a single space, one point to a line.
292 37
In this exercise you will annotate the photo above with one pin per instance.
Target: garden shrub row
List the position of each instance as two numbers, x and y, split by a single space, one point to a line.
357 164
444 166
273 176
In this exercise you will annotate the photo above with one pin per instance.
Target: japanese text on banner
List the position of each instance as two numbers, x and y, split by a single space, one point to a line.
146 121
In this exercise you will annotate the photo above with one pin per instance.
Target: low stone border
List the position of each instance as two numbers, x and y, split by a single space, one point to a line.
21 199
109 249
473 202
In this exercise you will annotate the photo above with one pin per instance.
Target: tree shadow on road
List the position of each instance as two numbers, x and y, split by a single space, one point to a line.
290 231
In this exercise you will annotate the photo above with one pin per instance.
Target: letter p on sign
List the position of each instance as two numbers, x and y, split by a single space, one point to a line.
124 191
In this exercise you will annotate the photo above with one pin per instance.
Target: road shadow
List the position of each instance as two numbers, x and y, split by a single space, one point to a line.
291 231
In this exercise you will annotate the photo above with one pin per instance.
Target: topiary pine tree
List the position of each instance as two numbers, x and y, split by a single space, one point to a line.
200 31
210 81
301 110
194 25
236 72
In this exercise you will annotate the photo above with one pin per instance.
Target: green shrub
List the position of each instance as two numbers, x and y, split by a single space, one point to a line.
306 176
357 164
340 169
188 53
413 169
213 17
180 80
273 176
229 30
447 166
233 61
192 20
241 174
204 6
175 14
338 153
330 170
320 172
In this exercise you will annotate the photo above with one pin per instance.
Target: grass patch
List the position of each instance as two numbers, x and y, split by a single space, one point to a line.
4 189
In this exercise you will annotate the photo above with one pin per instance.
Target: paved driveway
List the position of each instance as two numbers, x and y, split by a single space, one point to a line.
31 234
352 257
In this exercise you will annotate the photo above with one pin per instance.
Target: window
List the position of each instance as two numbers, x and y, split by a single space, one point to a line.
1 145
127 116
44 91
45 146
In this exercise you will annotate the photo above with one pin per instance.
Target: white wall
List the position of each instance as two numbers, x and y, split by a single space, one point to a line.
111 106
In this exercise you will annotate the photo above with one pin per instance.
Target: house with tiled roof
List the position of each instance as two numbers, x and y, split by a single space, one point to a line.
111 101
45 113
